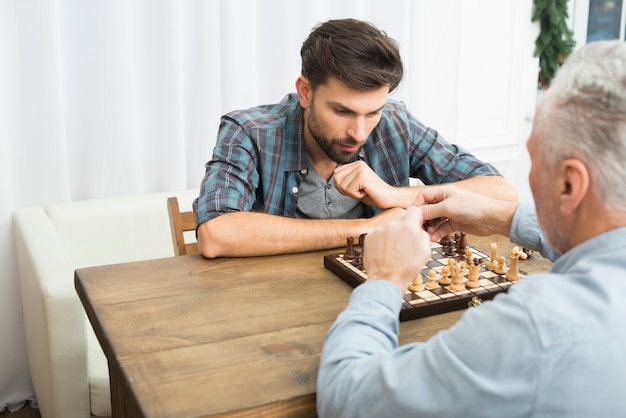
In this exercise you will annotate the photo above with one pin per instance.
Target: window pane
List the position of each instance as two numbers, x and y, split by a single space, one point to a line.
604 19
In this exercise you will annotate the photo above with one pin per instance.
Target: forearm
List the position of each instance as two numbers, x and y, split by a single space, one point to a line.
366 329
493 186
244 234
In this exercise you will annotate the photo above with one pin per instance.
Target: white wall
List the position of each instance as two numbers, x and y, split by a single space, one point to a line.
113 97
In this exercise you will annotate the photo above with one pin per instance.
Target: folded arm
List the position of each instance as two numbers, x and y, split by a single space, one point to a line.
243 234
359 181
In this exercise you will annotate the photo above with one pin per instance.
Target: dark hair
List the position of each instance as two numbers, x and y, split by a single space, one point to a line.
356 53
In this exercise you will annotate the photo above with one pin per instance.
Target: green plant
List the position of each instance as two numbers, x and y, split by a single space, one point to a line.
555 41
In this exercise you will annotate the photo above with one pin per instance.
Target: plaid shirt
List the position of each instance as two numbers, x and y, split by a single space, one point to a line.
259 159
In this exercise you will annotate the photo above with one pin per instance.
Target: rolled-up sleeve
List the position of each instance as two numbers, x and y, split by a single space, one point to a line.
231 177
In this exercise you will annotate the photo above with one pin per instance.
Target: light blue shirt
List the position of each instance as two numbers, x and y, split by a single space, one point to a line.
553 345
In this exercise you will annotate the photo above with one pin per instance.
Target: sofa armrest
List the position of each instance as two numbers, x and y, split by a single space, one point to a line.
54 319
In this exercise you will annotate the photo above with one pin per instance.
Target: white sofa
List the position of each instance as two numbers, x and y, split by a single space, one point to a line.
67 366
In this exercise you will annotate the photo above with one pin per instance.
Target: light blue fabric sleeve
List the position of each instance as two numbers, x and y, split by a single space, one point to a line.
526 232
463 371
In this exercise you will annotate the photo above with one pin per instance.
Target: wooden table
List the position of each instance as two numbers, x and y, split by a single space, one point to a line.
191 337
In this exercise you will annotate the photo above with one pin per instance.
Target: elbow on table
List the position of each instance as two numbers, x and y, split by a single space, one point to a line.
332 387
209 241
327 400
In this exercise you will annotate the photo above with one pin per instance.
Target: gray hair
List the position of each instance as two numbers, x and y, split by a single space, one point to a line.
585 117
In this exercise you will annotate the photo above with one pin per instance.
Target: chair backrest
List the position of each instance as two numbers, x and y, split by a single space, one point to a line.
180 222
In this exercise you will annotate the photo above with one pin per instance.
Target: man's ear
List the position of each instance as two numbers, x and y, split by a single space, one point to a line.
574 184
305 93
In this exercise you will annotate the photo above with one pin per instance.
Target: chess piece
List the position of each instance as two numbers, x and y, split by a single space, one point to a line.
474 273
445 280
358 257
513 273
491 264
446 240
348 255
450 249
469 254
457 278
417 285
528 252
461 242
362 240
501 265
432 280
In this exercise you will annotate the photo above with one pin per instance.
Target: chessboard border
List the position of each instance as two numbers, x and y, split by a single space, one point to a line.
408 311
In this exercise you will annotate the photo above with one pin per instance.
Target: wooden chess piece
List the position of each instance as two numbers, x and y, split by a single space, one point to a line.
446 240
491 264
450 249
432 280
445 280
348 255
474 273
417 285
513 273
362 240
461 243
358 257
469 254
501 266
457 278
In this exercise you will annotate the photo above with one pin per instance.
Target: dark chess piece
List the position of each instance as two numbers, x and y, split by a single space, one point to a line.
362 240
446 240
358 257
349 255
461 243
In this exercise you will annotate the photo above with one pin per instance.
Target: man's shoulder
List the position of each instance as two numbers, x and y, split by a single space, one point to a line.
396 112
398 120
268 116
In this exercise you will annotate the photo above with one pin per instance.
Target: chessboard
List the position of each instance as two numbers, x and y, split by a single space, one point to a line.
438 298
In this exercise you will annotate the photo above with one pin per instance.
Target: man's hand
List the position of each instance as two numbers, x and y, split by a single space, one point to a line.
359 181
451 209
398 251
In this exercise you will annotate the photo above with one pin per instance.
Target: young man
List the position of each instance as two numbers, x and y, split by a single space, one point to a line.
331 161
551 346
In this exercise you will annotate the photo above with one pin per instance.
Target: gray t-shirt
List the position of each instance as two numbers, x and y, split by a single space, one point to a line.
319 199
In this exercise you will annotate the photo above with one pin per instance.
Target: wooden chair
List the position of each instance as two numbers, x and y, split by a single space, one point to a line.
179 223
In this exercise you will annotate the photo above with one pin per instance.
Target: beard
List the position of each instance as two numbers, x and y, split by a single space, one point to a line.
549 222
328 145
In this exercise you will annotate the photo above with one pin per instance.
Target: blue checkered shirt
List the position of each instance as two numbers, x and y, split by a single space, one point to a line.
259 160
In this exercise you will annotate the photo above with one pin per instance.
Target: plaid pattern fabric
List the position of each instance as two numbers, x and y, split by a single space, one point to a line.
259 159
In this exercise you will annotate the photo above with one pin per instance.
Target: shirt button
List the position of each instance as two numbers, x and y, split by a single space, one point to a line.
304 171
328 186
330 203
294 190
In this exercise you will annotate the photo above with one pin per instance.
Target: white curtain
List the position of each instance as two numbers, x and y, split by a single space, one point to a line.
114 97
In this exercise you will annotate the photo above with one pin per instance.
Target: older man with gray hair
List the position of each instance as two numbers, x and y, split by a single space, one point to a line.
551 346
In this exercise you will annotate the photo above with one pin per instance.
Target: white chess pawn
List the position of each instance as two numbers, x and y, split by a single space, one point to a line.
432 280
445 276
417 285
501 267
